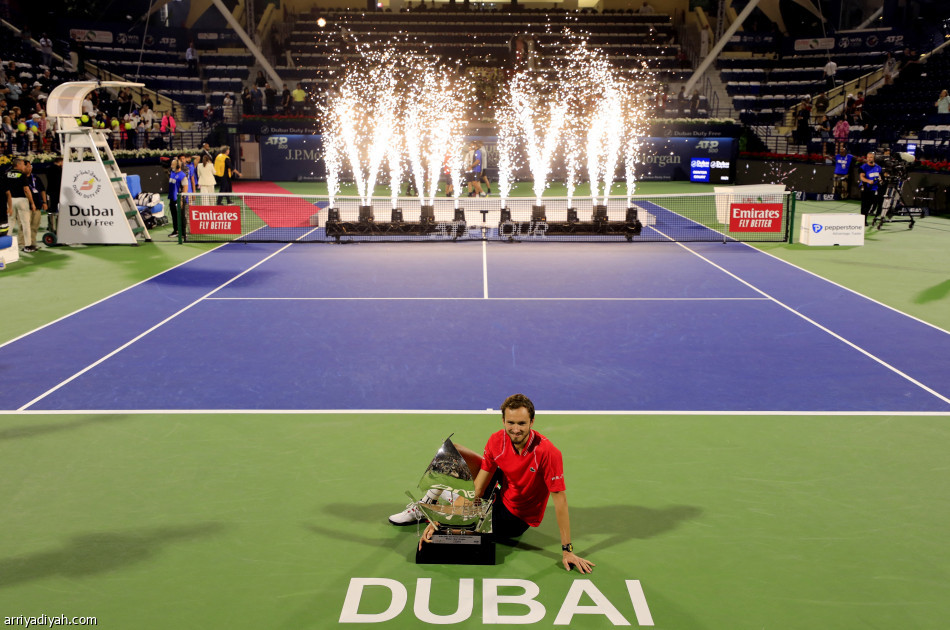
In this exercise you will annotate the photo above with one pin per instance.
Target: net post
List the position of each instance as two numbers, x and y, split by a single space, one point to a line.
179 210
791 219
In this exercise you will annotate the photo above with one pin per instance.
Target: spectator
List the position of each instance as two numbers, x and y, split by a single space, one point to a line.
840 179
147 115
830 69
803 117
177 184
206 150
890 69
38 191
260 81
167 127
824 130
206 179
46 50
821 104
54 182
849 108
224 172
681 100
286 101
257 100
694 104
943 103
871 188
191 57
841 131
20 202
270 99
13 91
661 99
88 108
300 98
859 109
46 81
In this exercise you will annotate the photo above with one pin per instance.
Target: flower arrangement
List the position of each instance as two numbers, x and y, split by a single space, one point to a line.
942 166
120 154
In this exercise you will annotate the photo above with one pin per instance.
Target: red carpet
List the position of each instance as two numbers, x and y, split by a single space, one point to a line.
287 212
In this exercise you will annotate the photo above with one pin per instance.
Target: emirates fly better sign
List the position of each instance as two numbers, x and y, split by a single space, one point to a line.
214 219
755 217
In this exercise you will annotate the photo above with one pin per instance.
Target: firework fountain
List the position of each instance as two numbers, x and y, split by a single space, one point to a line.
409 112
583 105
399 108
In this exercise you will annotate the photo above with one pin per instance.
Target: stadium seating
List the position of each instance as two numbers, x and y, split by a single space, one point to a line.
479 38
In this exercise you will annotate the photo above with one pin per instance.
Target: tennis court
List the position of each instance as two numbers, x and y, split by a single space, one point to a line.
220 445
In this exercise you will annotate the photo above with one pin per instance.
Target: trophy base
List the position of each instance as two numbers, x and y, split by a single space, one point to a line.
457 549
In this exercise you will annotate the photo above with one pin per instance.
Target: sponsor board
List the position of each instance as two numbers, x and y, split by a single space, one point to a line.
214 219
755 217
89 209
299 157
832 229
815 43
90 36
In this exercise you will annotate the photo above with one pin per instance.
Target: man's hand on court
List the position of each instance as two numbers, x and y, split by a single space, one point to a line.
583 566
427 534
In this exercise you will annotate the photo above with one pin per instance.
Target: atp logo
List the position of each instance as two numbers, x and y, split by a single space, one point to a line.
86 184
816 228
711 145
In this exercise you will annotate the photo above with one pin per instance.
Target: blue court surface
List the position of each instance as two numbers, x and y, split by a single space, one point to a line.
631 327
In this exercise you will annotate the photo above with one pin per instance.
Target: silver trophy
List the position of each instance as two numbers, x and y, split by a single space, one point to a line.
463 520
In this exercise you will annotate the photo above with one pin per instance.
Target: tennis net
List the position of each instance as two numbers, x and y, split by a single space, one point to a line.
747 216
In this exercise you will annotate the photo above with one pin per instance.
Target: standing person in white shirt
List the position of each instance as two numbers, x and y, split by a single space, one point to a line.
206 180
831 68
46 50
191 56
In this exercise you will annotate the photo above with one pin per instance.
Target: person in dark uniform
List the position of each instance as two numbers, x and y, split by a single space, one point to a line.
871 187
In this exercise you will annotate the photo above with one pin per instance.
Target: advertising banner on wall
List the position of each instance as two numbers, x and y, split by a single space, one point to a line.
296 157
292 158
155 38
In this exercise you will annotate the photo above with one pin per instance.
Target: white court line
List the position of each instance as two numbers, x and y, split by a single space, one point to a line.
841 286
470 412
502 299
156 326
109 297
485 269
813 322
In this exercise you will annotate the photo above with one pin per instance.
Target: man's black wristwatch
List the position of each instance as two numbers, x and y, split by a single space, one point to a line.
568 547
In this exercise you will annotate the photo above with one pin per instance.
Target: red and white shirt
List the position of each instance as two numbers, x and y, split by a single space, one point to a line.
529 477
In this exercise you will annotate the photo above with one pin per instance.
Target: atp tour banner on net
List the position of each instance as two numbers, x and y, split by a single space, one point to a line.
297 157
503 601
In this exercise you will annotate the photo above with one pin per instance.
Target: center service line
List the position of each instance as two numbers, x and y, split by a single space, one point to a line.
485 269
156 326
814 323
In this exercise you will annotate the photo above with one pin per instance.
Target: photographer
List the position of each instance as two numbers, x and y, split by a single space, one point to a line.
871 187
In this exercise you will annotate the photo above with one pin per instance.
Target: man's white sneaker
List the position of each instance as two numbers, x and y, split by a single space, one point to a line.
410 516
